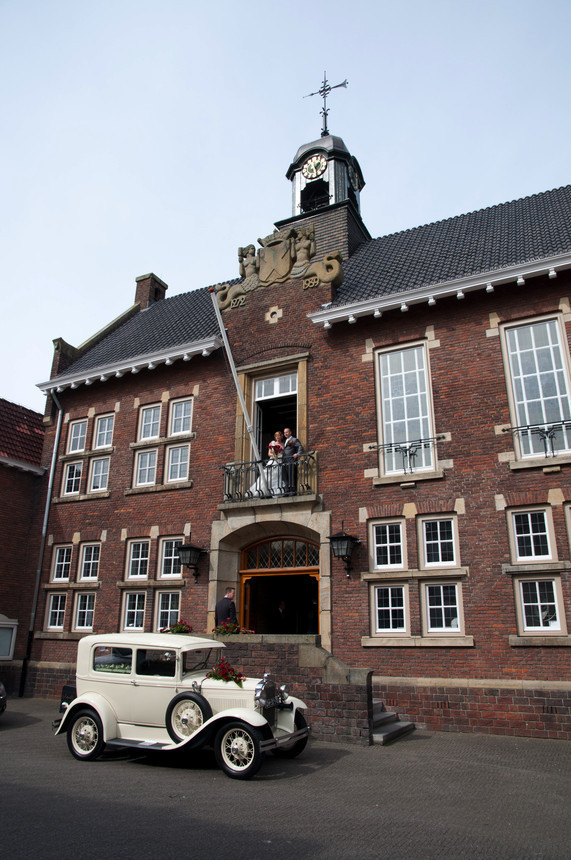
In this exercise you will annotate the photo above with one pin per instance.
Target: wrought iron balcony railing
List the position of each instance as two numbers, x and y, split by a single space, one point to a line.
409 451
268 479
547 433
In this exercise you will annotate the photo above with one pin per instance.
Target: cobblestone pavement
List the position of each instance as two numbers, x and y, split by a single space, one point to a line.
428 795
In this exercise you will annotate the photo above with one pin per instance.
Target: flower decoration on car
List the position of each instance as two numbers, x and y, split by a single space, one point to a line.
223 671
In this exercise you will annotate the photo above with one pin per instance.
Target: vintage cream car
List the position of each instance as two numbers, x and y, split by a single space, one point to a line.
150 691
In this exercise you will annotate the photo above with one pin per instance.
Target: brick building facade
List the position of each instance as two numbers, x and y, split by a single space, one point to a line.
427 376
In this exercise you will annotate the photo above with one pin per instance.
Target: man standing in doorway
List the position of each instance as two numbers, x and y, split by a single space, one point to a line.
292 450
226 608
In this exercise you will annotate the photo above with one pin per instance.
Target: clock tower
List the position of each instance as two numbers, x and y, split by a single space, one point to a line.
323 173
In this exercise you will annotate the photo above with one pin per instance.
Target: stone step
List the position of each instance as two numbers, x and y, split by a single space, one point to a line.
386 725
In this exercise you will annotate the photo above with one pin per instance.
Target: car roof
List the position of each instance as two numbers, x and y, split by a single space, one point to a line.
150 640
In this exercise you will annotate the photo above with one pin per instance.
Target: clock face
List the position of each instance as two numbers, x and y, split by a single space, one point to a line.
314 166
353 178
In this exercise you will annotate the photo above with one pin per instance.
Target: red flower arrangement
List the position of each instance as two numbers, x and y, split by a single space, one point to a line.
223 671
228 627
177 627
275 449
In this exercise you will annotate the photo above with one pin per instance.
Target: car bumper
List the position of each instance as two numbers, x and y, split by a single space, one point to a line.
285 740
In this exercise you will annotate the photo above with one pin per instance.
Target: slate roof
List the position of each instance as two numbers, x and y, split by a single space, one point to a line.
487 240
21 433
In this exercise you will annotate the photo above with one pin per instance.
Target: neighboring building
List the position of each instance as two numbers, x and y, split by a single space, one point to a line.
21 443
427 376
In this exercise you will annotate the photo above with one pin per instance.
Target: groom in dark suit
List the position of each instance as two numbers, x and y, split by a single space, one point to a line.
292 449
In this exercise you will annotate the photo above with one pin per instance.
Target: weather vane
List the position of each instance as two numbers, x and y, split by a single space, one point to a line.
324 91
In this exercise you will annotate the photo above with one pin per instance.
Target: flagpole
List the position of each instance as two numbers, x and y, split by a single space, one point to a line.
249 426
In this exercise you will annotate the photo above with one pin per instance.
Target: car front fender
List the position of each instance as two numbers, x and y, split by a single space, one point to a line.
203 734
98 704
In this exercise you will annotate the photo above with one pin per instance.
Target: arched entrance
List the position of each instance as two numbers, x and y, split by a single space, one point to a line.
279 586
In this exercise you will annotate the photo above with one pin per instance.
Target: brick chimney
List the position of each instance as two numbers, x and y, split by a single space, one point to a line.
150 289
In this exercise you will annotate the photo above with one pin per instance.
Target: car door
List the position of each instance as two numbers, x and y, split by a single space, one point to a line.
154 683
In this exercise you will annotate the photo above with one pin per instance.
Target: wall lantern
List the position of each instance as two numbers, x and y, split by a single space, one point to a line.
342 546
189 555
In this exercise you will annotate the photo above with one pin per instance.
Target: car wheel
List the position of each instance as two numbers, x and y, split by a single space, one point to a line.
297 747
85 735
185 714
238 750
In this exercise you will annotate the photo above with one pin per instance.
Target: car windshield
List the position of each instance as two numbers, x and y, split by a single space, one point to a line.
198 659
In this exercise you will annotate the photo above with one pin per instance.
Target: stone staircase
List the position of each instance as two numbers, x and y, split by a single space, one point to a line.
386 725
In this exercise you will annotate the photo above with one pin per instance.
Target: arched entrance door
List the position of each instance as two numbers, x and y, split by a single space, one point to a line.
279 586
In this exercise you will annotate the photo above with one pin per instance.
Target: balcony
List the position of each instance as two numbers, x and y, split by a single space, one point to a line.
267 479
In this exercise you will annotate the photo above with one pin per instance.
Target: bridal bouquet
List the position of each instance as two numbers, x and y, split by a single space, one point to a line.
275 449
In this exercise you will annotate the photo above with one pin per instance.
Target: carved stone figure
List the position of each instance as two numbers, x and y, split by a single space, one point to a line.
304 250
326 271
276 257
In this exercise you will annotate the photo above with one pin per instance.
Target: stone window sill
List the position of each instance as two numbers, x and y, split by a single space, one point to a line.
417 641
159 488
540 641
406 481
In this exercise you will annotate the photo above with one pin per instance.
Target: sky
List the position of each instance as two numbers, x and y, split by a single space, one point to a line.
154 136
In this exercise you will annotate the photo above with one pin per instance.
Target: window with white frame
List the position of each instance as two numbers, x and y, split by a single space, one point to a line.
390 608
168 611
99 474
439 542
181 417
76 436
441 607
145 468
104 431
85 608
405 405
72 479
539 602
90 553
387 545
539 379
530 535
170 562
62 563
134 611
177 463
149 422
56 612
138 559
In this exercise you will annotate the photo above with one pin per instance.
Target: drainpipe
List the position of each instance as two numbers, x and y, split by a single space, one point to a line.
249 426
42 548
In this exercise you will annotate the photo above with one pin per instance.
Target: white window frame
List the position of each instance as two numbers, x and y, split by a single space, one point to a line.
137 562
88 611
97 473
76 436
169 614
61 568
56 613
150 422
515 544
558 626
181 424
443 604
146 470
90 561
282 385
170 566
135 605
442 539
103 436
526 385
393 589
405 416
177 471
378 529
72 479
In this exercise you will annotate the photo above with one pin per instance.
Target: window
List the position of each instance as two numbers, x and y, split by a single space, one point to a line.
99 474
177 463
406 422
62 562
531 535
170 564
84 613
539 604
138 559
181 417
390 608
146 467
76 436
539 387
441 607
90 561
150 420
135 611
438 542
104 431
168 609
387 545
72 479
56 611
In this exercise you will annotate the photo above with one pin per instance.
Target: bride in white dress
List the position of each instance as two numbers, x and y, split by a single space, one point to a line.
272 469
